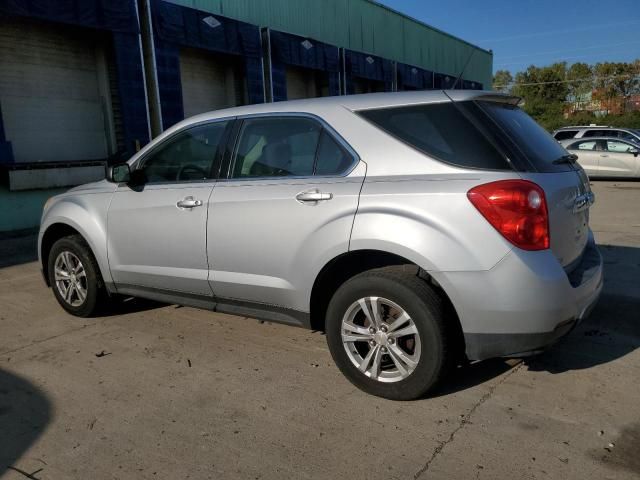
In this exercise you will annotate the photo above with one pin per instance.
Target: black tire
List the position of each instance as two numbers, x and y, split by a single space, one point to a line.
401 285
96 295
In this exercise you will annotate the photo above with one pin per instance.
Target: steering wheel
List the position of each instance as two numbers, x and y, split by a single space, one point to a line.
190 168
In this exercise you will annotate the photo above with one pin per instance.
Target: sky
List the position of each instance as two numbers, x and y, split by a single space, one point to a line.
539 32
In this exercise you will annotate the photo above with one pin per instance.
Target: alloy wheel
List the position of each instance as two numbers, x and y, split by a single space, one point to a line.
381 339
71 278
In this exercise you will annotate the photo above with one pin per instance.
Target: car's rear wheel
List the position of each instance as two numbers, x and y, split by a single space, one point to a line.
75 278
387 332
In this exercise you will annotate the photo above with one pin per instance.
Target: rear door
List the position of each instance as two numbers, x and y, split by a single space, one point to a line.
618 159
588 152
286 209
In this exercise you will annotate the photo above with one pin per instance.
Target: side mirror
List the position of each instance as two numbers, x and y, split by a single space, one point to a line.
634 151
119 173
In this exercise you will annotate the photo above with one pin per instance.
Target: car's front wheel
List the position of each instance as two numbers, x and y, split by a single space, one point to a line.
386 332
74 277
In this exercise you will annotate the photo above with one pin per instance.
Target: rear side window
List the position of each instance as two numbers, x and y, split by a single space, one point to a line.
332 158
600 133
287 147
442 131
584 145
276 147
565 134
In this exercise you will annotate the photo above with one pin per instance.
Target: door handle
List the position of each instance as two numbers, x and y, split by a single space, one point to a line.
188 202
604 155
313 196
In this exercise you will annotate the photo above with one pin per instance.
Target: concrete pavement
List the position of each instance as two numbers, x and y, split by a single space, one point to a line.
165 392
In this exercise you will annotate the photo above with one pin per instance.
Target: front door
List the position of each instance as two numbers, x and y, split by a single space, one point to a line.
619 159
157 232
286 209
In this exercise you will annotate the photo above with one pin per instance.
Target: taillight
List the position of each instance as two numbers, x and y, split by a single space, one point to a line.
517 209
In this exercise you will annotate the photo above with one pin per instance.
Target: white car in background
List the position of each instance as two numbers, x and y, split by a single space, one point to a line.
605 157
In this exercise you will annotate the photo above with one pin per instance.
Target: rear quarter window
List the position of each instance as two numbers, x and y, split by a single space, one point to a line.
440 131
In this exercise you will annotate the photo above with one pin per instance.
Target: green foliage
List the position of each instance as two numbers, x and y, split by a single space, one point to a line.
502 81
550 92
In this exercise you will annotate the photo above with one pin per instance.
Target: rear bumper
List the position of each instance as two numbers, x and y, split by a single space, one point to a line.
525 303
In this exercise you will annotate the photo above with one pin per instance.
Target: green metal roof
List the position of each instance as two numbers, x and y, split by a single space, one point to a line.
362 25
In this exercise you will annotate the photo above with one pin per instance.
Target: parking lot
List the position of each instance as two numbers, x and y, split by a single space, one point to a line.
165 392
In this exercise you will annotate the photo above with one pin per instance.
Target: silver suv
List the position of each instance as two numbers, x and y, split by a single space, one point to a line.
416 229
566 133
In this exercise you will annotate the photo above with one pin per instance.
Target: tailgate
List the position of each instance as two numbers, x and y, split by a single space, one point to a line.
569 197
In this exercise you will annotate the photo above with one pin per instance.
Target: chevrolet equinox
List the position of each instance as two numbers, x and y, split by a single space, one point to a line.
416 229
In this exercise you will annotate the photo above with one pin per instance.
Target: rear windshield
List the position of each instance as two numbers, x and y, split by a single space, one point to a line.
473 134
536 145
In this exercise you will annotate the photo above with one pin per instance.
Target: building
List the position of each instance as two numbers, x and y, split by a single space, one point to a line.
86 83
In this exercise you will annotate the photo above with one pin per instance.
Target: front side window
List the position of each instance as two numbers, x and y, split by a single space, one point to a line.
629 137
619 147
188 156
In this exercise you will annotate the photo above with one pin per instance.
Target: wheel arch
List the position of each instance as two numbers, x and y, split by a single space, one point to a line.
54 232
345 266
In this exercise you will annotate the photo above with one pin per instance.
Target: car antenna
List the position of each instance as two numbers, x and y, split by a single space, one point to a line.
463 69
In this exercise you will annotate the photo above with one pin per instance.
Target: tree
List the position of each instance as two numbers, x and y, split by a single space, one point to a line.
580 84
502 81
543 89
617 81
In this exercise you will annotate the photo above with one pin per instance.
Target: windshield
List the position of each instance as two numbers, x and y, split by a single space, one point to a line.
533 142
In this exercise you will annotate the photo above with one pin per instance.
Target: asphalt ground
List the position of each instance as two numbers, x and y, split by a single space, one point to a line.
158 391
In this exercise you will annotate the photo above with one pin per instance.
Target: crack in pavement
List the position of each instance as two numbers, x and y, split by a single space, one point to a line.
37 342
438 450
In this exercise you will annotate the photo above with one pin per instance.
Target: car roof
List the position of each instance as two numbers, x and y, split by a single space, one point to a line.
589 139
350 102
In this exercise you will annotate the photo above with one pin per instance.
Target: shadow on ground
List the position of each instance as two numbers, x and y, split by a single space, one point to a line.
18 250
25 412
611 332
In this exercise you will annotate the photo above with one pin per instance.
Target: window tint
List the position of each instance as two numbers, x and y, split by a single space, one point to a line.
276 147
332 159
528 138
600 133
189 156
628 136
620 147
588 145
565 134
439 130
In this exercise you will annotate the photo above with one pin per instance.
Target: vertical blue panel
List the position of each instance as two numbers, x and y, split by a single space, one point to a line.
410 77
131 89
289 49
176 26
443 81
6 152
471 85
169 83
114 15
369 67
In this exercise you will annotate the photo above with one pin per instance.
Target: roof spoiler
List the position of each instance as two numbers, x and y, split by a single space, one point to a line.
461 95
